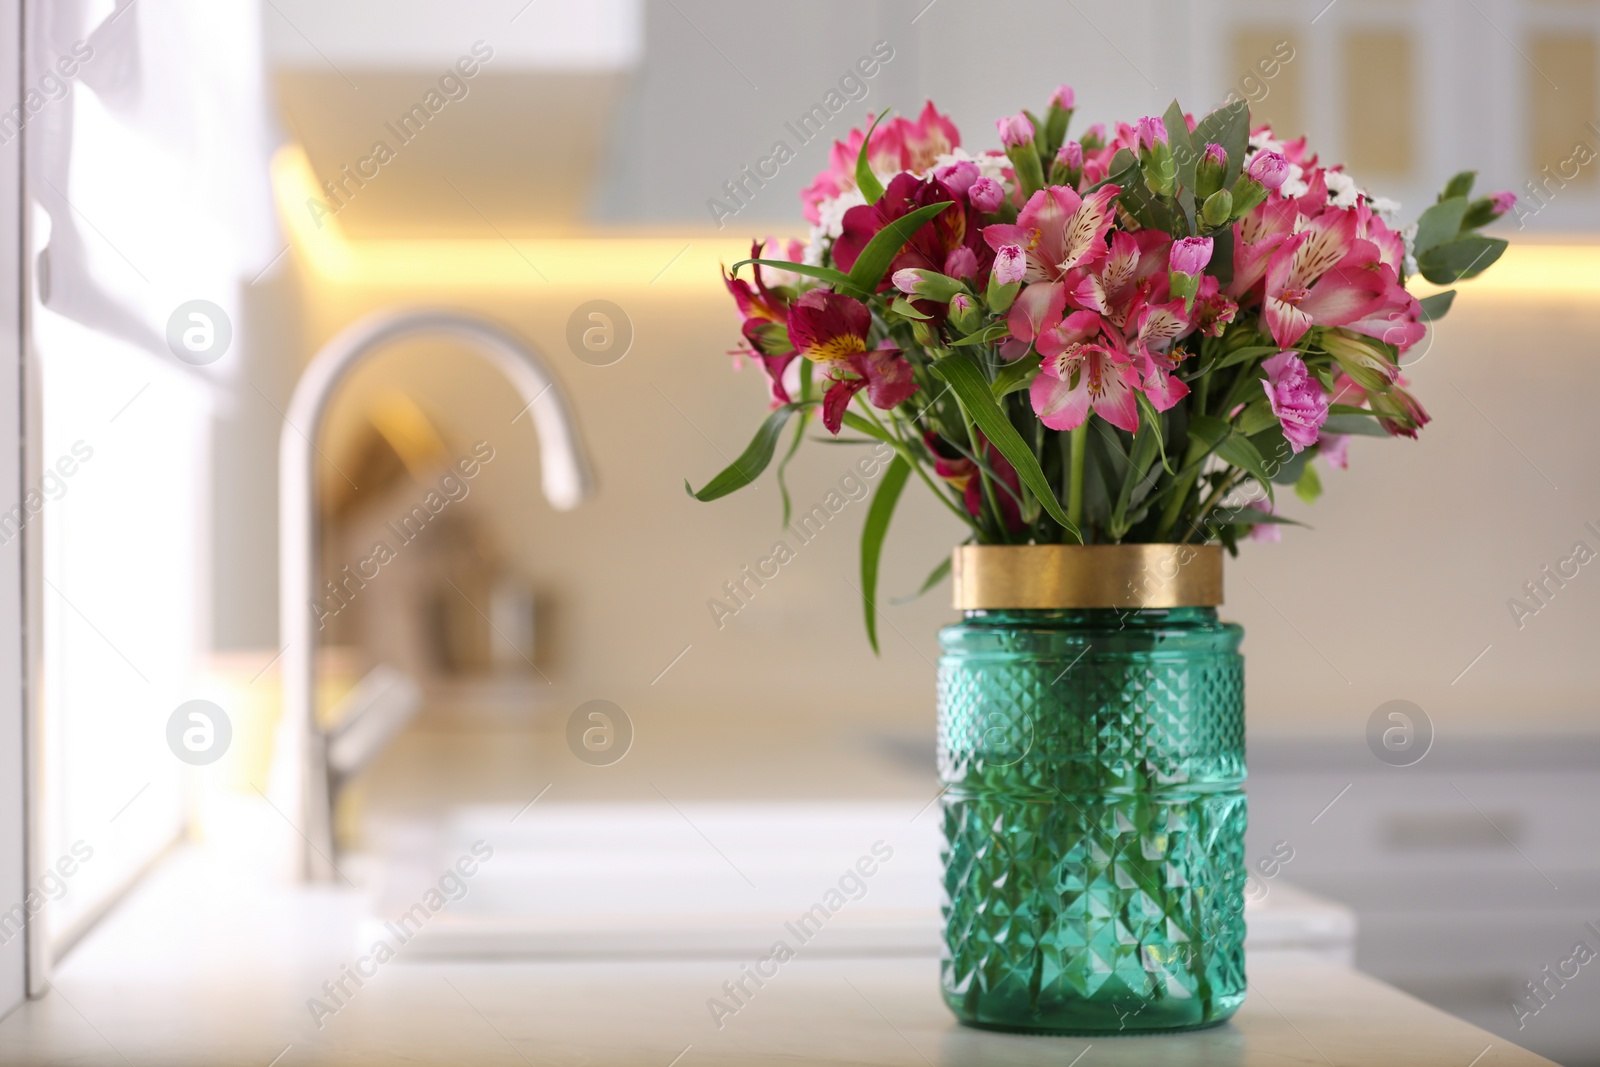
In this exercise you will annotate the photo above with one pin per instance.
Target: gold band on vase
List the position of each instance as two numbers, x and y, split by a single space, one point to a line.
1060 577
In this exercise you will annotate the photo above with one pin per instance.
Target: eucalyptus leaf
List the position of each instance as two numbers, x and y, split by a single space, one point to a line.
1228 126
1362 425
1436 306
1459 185
1440 223
1465 257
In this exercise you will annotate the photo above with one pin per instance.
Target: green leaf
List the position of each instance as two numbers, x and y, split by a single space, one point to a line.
1245 354
744 470
935 576
1465 257
1184 158
1309 487
1437 305
987 335
1241 453
1460 185
1256 416
1249 517
1123 165
885 245
966 379
1152 419
1228 126
835 278
1208 430
799 435
903 307
1365 424
1016 375
879 513
866 181
1221 265
1440 223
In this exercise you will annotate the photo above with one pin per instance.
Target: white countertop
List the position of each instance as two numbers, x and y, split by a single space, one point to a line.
203 965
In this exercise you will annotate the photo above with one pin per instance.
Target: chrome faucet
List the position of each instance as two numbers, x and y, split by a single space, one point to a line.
302 775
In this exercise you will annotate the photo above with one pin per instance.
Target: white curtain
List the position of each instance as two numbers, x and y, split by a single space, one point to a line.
147 139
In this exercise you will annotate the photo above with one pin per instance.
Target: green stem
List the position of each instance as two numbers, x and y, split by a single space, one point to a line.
1080 453
906 453
1190 473
988 485
1210 502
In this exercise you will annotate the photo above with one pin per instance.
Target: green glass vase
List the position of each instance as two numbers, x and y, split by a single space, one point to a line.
1094 819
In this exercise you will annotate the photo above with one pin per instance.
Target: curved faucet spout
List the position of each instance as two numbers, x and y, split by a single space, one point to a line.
300 773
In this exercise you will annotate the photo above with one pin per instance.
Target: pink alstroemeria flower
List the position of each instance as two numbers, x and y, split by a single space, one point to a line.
1082 378
1320 277
765 327
883 372
1058 231
1297 399
897 145
828 327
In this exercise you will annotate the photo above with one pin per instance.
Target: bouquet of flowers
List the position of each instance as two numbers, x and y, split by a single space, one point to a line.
1128 337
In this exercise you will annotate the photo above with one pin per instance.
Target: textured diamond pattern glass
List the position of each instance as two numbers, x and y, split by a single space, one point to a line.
1093 819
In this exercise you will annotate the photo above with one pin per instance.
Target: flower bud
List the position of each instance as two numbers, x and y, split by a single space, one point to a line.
961 263
1010 264
1016 134
1209 171
1155 156
1151 131
1184 286
1190 255
958 176
1486 209
1094 137
1015 131
986 195
1247 194
929 284
1057 116
965 315
1217 209
1068 166
1269 168
1160 171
